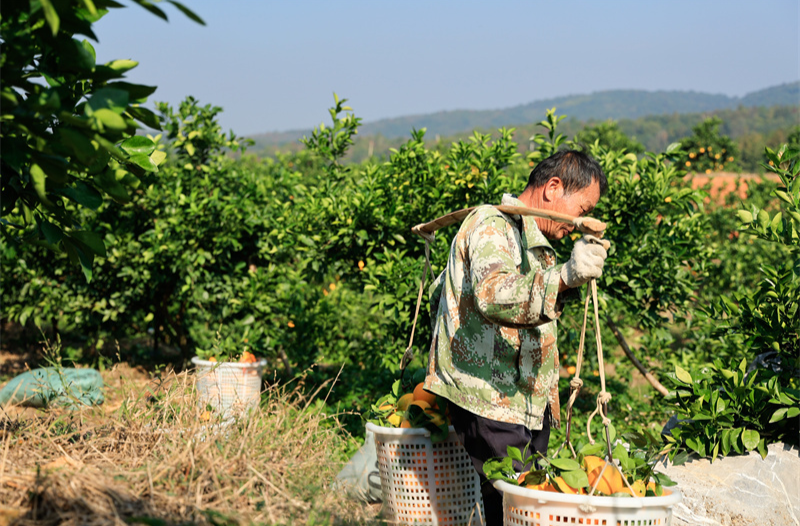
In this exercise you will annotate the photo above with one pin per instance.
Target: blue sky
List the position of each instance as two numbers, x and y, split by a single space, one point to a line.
274 65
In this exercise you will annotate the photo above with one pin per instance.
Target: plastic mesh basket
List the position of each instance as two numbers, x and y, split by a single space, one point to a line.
425 483
528 507
230 388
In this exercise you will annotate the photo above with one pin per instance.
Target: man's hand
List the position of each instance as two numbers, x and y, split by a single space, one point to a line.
587 260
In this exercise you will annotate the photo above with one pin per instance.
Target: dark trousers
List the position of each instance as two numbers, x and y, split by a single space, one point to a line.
484 439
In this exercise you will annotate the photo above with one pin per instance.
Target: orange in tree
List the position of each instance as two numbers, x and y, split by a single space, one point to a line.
247 357
422 394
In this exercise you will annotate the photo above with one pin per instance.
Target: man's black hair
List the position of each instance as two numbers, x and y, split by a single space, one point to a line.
575 168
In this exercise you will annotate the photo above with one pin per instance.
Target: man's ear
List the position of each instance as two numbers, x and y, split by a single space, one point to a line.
553 189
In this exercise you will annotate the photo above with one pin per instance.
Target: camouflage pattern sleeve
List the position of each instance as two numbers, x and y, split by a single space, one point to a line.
503 294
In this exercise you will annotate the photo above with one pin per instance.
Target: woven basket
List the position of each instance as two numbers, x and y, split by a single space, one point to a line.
529 507
230 388
425 483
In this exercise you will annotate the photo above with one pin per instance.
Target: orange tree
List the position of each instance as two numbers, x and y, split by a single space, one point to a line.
753 402
706 150
608 135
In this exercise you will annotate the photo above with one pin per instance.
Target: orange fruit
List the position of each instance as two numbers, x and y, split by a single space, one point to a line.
405 424
563 487
611 481
247 357
423 395
212 359
385 407
638 489
405 401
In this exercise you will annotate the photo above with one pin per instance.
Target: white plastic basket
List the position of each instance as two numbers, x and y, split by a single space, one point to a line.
230 388
425 483
529 507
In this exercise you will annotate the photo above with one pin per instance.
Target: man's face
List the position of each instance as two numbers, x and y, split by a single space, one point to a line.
578 203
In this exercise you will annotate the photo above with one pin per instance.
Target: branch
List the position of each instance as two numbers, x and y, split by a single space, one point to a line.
624 344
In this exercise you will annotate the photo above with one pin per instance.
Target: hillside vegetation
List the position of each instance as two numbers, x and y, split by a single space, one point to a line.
602 105
751 128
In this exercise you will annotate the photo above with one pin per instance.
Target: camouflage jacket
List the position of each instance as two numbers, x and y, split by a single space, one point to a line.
494 350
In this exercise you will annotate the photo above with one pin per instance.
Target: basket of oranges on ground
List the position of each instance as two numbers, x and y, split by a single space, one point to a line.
228 379
427 477
587 486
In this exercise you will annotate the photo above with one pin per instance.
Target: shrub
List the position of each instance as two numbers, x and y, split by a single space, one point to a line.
756 405
70 142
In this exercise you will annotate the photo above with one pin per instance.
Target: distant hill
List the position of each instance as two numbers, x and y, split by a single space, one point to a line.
601 105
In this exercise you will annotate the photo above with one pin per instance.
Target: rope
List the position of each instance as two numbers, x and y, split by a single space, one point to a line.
576 383
409 352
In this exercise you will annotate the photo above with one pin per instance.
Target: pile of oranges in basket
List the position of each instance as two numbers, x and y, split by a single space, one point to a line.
412 408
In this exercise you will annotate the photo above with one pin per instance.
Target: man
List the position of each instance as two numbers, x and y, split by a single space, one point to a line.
494 355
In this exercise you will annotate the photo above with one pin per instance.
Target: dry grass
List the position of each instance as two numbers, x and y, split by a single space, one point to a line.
146 453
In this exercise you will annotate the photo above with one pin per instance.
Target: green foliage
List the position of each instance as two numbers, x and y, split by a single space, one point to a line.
308 260
732 410
195 136
754 406
706 150
332 143
68 142
609 136
655 226
751 128
637 460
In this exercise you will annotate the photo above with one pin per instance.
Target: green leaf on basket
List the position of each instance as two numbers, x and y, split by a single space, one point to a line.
534 477
592 449
566 464
514 453
576 479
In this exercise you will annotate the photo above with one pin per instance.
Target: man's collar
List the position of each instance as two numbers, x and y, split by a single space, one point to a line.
530 230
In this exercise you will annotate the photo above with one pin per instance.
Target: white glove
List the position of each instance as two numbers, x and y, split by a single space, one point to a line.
588 256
